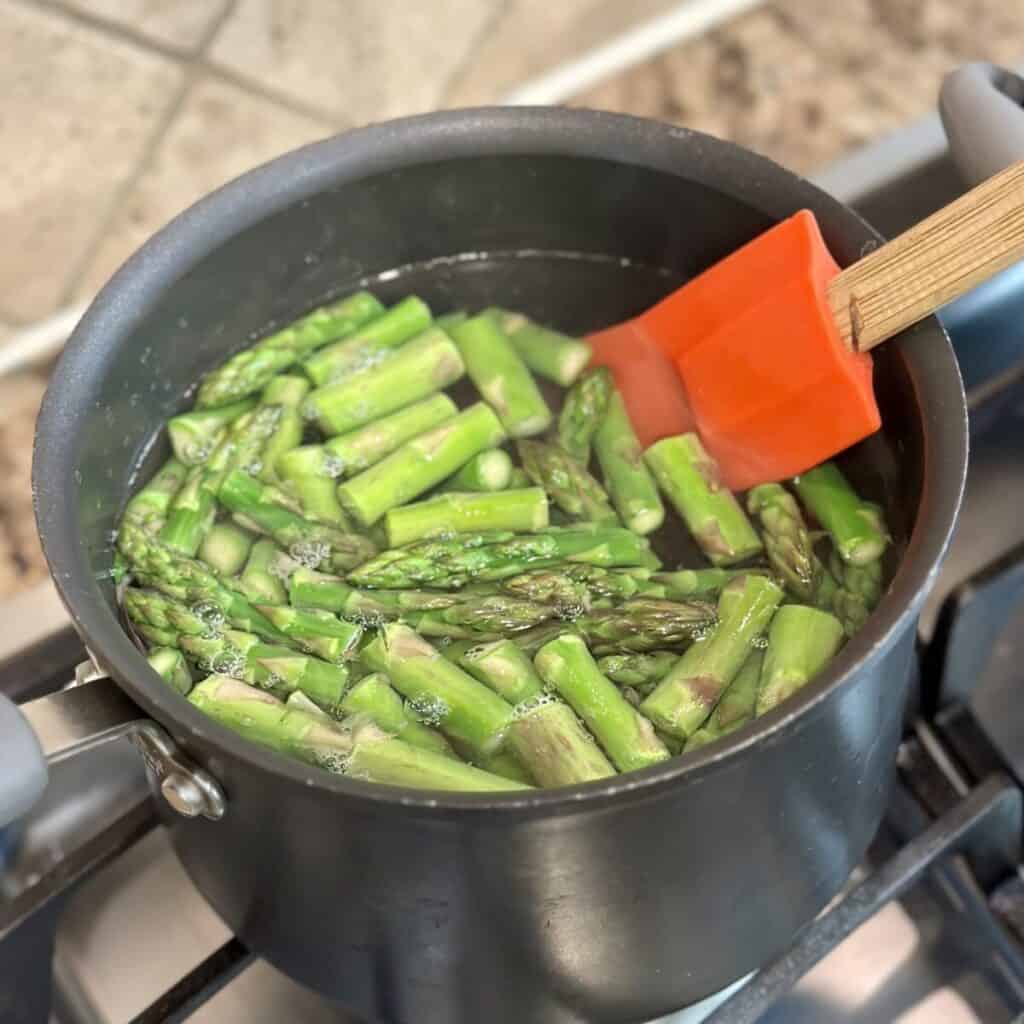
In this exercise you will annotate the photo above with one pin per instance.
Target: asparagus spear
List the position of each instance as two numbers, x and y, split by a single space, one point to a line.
298 701
286 393
451 513
156 636
787 541
419 464
501 376
645 624
225 548
858 589
855 525
194 435
370 343
321 681
489 471
549 353
420 368
496 555
374 696
232 653
575 588
626 736
310 589
571 487
307 542
169 664
151 608
190 514
641 671
685 583
801 642
684 699
148 507
621 458
503 667
310 473
483 616
582 411
301 623
689 477
464 709
518 479
259 581
251 369
549 739
737 705
450 320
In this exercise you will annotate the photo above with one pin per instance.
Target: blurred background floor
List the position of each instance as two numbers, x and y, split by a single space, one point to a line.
116 114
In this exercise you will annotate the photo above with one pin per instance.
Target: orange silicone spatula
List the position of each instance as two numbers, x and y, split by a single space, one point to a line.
772 343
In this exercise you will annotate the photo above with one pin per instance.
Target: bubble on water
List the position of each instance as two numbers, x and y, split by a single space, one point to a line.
197 451
309 553
78 476
308 411
209 614
281 568
759 642
429 710
104 574
310 258
525 707
333 465
229 663
253 468
145 354
183 322
571 612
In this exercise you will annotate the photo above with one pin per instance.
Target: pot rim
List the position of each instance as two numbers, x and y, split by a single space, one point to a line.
137 287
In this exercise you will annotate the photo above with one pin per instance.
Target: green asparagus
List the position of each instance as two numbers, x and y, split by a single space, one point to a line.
374 696
787 541
286 393
641 671
567 481
156 636
645 624
686 583
323 682
737 705
575 588
300 623
858 589
503 667
489 471
549 353
259 580
194 435
583 410
169 664
310 473
148 508
225 548
549 739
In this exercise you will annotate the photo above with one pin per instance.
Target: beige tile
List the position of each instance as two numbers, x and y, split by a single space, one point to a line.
364 60
182 24
220 132
77 110
532 37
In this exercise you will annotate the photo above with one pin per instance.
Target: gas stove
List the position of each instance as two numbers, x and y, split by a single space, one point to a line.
929 928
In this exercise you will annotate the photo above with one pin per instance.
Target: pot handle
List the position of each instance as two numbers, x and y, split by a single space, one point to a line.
982 110
22 764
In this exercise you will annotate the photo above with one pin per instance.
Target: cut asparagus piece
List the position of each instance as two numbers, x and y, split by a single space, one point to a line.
311 622
489 471
319 680
574 588
419 464
155 609
571 487
855 525
857 591
642 671
626 736
737 705
375 697
148 507
628 480
645 624
689 477
298 701
449 513
550 353
684 699
483 616
370 343
549 738
496 556
311 475
801 642
169 664
501 376
307 542
259 580
287 393
420 368
518 479
685 583
310 589
787 541
508 766
503 667
156 636
194 435
251 369
190 515
583 410
449 320
225 548
439 692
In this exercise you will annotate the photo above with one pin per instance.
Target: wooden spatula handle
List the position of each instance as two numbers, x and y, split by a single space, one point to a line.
936 261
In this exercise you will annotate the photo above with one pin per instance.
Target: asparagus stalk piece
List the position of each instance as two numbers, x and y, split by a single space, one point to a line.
156 636
825 592
574 588
549 353
801 642
420 368
371 342
298 701
645 624
190 514
571 487
684 699
689 477
419 464
233 653
626 736
508 766
483 616
737 705
310 589
496 556
489 471
302 623
582 411
856 526
450 513
286 393
440 692
375 697
549 739
450 320
194 435
621 457
148 507
259 580
319 680
170 665
251 369
707 583
307 542
225 548
501 376
787 541
858 589
503 667
518 479
151 608
310 473
642 671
